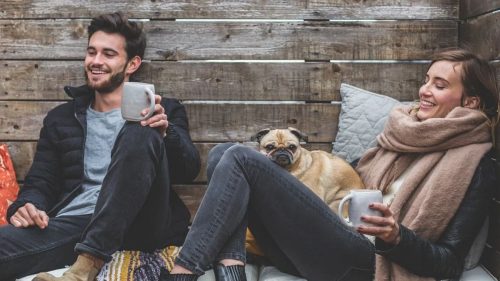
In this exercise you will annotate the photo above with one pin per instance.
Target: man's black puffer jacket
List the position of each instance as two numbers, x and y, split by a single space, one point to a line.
56 174
444 259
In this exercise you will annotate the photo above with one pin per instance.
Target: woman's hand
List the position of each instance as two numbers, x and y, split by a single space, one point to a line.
159 119
385 228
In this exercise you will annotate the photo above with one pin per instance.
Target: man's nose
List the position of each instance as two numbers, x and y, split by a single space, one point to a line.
97 59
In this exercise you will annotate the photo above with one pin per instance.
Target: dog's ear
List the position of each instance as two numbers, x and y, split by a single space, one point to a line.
257 137
301 136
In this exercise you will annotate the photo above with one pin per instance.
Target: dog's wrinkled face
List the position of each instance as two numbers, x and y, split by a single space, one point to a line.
280 145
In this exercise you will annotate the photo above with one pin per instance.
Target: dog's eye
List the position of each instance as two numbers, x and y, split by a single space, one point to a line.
269 147
292 147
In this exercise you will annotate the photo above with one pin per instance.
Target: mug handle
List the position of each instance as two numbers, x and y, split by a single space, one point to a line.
341 207
151 96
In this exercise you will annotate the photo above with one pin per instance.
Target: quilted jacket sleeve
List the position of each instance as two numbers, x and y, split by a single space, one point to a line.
42 183
183 157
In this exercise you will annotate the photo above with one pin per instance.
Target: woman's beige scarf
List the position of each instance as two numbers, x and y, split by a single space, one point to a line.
447 152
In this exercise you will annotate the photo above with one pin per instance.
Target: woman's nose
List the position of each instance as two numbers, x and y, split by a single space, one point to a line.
424 90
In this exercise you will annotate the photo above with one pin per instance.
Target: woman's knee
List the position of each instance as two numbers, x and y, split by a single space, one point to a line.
215 155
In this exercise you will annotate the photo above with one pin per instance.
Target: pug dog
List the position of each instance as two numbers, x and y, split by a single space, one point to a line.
328 176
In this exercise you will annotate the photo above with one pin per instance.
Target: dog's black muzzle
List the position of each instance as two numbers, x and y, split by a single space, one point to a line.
282 157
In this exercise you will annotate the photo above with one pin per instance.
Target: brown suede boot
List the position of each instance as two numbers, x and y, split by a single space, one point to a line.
85 268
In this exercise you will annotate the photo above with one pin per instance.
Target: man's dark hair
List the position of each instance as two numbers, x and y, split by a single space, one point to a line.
135 39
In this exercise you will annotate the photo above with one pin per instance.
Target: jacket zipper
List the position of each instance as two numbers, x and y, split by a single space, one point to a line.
63 201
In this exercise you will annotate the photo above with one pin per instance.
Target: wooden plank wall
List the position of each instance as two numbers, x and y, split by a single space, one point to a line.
479 30
240 66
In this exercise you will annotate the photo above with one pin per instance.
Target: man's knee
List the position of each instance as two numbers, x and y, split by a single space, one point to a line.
135 137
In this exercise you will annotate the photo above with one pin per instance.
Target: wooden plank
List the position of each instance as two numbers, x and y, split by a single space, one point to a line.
248 9
22 120
22 154
32 80
237 122
472 8
191 195
173 40
44 80
491 260
401 81
482 35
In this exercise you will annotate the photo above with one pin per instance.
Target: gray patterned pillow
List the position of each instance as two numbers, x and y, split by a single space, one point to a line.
362 117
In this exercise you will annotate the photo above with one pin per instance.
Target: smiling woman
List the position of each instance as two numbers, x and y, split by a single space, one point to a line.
417 238
458 78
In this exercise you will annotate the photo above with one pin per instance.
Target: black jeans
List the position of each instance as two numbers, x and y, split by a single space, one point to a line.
132 212
296 230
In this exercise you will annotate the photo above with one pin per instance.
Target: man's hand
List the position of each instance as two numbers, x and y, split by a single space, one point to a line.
29 215
385 228
158 119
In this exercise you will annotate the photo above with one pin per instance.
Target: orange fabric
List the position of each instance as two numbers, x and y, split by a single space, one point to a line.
8 184
251 244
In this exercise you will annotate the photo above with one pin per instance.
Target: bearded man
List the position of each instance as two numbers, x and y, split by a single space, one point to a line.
98 183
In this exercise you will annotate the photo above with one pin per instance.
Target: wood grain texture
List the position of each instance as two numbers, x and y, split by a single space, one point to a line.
247 9
44 80
170 40
22 120
237 122
23 152
191 195
482 35
472 8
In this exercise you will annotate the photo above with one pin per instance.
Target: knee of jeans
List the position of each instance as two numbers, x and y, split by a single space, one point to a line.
242 154
215 155
135 136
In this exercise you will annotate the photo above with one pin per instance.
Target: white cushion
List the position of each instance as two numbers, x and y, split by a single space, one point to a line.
271 273
476 250
478 273
251 271
56 273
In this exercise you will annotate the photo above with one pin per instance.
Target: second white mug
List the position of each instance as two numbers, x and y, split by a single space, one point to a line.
359 202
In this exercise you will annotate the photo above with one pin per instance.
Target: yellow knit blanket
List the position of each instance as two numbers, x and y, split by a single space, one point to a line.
137 265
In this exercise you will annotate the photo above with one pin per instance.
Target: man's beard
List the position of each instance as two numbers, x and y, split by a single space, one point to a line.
109 85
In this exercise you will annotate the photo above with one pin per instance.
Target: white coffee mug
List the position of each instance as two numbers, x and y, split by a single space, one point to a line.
136 97
359 202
